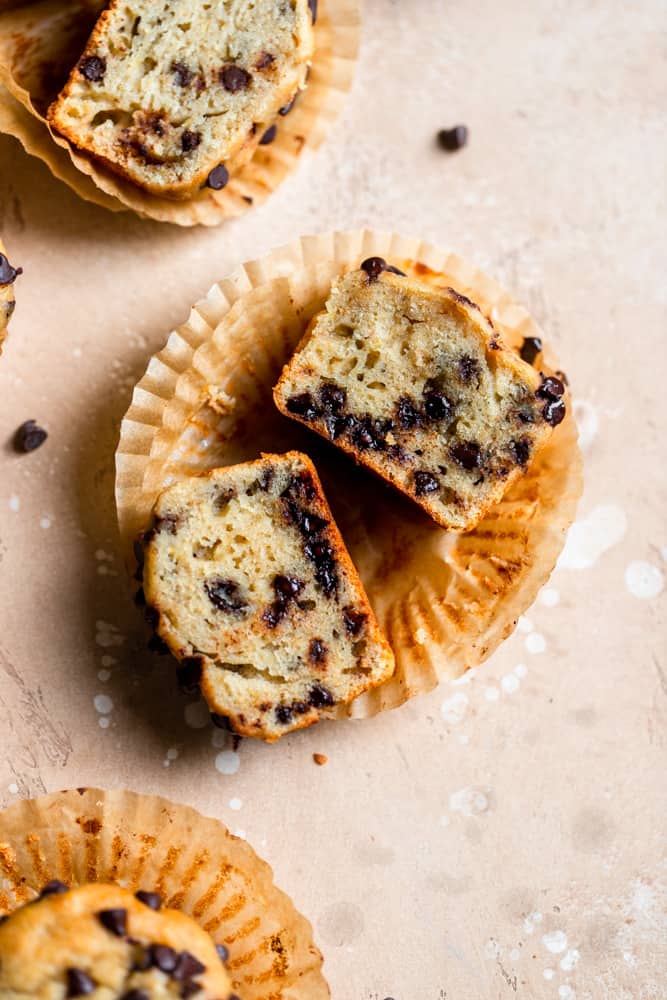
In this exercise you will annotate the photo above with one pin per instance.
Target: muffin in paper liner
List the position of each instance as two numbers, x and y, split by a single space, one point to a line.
445 600
40 43
194 863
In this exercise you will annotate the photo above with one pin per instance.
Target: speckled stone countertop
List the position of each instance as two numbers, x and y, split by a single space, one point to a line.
501 836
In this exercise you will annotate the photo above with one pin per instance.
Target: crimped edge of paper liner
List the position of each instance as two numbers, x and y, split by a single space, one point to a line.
337 38
192 861
178 379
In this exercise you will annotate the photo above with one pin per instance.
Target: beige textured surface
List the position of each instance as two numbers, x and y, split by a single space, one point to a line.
426 846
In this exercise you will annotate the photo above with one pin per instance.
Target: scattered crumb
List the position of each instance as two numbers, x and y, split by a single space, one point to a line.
321 759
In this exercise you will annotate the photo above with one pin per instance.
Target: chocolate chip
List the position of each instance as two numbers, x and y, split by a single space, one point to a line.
426 482
408 414
317 651
114 920
190 140
93 68
284 714
186 967
223 952
163 957
332 397
218 178
142 961
520 450
321 554
313 9
551 388
54 887
188 674
530 348
225 595
466 453
182 73
288 107
29 436
373 266
221 721
168 523
395 270
320 697
269 136
8 274
135 995
437 406
335 426
234 78
554 412
451 139
189 989
150 899
526 416
353 620
264 59
468 368
367 433
287 587
79 983
307 523
303 406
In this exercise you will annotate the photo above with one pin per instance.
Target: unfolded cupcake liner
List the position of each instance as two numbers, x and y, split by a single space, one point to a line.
40 43
6 304
445 600
194 863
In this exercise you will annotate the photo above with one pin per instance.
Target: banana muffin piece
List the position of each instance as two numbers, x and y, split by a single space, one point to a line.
8 276
247 580
105 942
414 382
174 94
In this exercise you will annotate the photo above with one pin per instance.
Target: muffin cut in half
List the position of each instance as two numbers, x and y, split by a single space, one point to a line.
414 382
8 276
174 94
103 941
247 580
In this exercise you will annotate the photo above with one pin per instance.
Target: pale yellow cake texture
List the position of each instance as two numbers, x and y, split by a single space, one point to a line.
248 580
49 946
168 90
413 382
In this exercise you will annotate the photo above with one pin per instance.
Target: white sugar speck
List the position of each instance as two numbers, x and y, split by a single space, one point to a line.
444 821
240 833
521 670
235 804
643 579
586 417
492 949
14 503
104 675
530 921
548 973
549 597
515 954
464 739
172 753
535 643
627 955
453 709
45 522
227 762
555 942
469 801
524 624
13 788
491 694
592 536
196 715
103 722
103 703
510 684
569 959
566 992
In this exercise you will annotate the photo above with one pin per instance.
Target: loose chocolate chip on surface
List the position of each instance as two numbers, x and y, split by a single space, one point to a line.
520 451
150 899
53 887
551 388
93 68
190 140
451 139
353 620
79 983
29 436
466 453
8 274
320 697
373 266
530 348
225 595
187 966
303 406
115 920
223 952
425 483
269 136
218 178
234 78
182 73
313 9
554 412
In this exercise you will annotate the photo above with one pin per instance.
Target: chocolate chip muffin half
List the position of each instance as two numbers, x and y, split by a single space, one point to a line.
414 383
248 582
105 942
175 94
8 276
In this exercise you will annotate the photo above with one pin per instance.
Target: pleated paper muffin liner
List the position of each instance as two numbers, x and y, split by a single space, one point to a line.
445 600
194 863
40 43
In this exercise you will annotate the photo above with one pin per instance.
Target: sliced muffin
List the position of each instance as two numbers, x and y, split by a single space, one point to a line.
413 382
8 276
174 95
107 943
247 580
